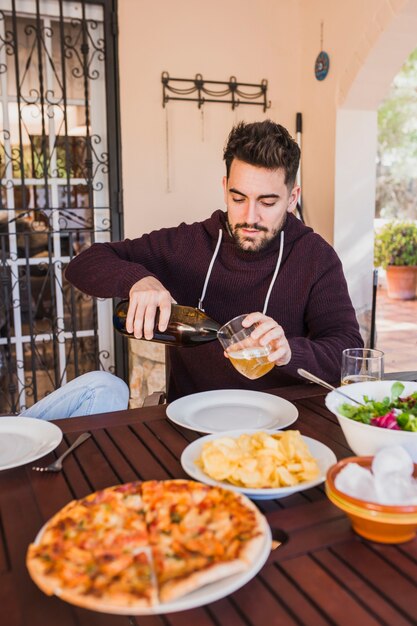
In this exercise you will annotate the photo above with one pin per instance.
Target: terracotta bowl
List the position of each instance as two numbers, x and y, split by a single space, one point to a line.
377 522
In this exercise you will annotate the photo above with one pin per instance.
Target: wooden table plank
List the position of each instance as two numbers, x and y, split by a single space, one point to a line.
310 514
292 597
376 604
9 598
315 426
21 522
319 575
400 559
318 403
163 452
409 549
114 458
139 457
298 392
399 591
261 605
148 620
316 582
227 612
311 538
172 438
83 617
89 469
199 617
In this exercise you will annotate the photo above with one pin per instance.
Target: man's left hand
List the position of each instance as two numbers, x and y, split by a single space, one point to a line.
268 331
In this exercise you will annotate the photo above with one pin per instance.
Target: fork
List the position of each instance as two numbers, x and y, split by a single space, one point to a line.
56 466
319 381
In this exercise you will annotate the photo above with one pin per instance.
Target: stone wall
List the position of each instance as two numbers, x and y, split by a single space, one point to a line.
146 370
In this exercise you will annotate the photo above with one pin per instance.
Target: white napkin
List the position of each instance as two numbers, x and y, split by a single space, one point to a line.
389 482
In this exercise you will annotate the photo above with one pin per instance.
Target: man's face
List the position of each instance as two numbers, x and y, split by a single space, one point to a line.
257 201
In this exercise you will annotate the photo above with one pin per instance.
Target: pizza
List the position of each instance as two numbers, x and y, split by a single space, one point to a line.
142 544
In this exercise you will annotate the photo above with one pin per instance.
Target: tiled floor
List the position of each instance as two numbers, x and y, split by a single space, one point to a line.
396 332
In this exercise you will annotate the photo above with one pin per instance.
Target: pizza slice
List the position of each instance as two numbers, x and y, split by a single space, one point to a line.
198 534
95 552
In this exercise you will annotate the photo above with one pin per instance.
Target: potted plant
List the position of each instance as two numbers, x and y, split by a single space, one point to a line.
396 252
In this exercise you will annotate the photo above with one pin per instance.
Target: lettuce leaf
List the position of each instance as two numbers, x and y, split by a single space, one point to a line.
406 414
396 391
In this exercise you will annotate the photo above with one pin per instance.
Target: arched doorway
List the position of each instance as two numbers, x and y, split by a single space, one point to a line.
356 148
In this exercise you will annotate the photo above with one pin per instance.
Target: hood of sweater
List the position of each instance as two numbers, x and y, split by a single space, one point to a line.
278 249
293 229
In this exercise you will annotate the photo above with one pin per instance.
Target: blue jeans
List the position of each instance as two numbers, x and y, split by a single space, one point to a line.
94 392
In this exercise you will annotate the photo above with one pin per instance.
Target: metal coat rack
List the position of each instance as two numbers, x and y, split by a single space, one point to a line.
202 88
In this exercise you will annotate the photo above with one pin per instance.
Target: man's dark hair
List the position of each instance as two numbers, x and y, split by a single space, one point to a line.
264 144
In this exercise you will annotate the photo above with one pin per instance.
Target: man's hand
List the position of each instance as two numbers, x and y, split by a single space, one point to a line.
268 331
145 297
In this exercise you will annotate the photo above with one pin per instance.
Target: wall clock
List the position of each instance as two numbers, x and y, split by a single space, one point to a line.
321 66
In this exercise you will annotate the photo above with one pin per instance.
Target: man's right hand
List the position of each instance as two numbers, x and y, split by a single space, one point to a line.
145 297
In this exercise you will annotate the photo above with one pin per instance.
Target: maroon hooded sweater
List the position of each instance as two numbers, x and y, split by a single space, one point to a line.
309 298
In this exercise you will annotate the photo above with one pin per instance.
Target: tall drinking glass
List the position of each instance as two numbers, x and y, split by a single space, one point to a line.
361 364
247 355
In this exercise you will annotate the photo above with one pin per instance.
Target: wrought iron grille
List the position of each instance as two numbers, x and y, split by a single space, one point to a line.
56 181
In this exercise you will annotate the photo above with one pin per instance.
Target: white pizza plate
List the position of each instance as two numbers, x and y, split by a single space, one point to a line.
204 595
323 455
227 409
25 439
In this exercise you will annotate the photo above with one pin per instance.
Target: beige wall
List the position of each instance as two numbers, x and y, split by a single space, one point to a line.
169 181
247 39
352 28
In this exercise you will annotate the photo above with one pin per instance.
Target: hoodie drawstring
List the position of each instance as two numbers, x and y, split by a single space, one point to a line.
213 258
271 284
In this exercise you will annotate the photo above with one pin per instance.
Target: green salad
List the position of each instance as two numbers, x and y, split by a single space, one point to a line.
394 412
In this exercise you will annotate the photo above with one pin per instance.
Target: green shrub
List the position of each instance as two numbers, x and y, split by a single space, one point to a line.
396 244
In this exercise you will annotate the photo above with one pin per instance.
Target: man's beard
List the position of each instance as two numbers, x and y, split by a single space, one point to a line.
248 244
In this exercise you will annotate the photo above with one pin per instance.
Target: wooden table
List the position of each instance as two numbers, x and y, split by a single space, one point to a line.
324 574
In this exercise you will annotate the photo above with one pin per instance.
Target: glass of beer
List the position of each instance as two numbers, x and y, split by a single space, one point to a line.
361 364
247 355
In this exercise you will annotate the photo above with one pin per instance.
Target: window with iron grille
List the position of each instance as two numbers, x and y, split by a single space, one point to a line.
59 190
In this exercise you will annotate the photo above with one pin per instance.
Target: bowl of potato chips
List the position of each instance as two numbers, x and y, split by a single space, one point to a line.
261 464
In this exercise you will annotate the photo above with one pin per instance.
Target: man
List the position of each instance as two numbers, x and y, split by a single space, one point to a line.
256 258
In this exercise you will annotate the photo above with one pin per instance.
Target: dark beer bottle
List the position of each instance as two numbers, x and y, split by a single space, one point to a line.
187 326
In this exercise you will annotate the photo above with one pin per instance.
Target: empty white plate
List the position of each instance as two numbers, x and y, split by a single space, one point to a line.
231 409
25 439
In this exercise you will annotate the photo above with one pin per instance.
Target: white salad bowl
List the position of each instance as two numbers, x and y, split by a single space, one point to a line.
364 439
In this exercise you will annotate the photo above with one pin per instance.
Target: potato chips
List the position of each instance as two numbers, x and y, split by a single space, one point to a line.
259 460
